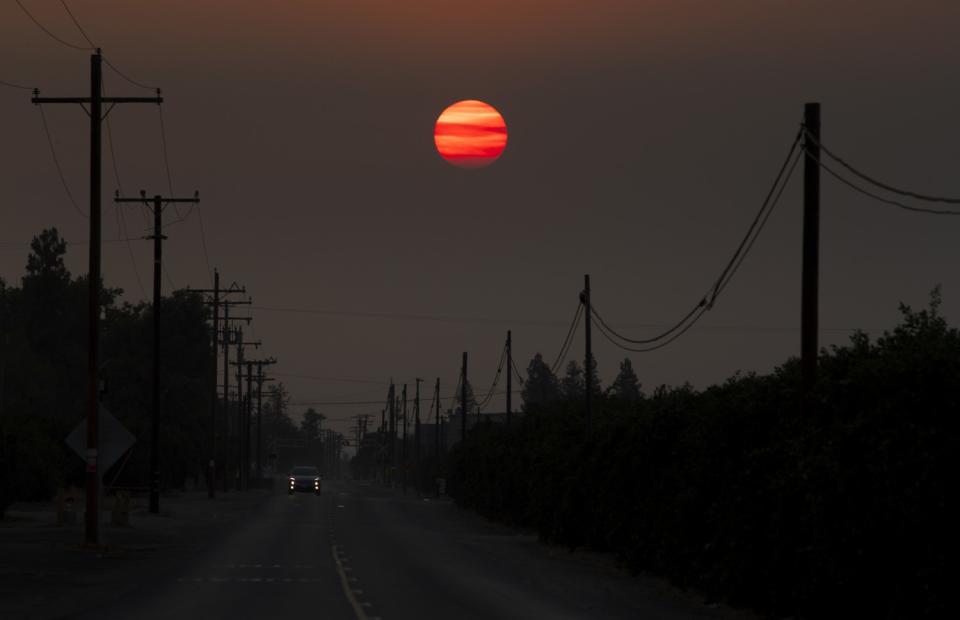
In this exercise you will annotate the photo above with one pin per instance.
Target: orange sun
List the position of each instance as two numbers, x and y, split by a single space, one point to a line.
470 134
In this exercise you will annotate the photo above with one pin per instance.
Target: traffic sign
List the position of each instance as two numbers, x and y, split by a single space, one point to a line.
113 440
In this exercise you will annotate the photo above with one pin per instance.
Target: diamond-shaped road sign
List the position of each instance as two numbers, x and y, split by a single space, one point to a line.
114 440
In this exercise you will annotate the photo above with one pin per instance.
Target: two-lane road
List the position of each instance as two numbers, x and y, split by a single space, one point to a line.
363 552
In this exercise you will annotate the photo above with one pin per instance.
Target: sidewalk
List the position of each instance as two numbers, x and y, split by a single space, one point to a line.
46 571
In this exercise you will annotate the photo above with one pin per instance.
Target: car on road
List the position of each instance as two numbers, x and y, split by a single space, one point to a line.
304 478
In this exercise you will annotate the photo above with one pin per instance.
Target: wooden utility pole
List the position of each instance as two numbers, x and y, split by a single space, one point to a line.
226 339
260 381
509 373
403 446
243 409
96 100
393 432
247 417
158 237
436 447
588 355
382 453
416 437
212 469
217 292
811 248
463 398
239 418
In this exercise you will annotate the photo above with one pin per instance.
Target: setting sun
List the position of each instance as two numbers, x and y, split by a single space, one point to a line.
470 134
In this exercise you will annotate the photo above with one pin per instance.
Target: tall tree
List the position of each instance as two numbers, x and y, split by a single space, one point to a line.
471 399
626 387
311 424
541 386
572 384
595 386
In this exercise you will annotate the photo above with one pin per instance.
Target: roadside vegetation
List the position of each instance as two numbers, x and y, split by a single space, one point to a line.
845 507
43 375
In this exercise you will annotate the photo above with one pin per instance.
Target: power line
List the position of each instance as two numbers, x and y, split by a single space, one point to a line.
56 161
519 376
881 184
166 163
405 317
77 24
496 379
743 249
49 33
122 229
12 85
330 379
126 77
565 347
763 223
602 329
121 219
768 203
889 201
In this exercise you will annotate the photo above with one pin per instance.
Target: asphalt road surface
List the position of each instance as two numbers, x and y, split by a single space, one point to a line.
360 552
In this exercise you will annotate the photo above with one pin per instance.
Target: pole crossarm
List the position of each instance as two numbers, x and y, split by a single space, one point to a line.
143 199
111 101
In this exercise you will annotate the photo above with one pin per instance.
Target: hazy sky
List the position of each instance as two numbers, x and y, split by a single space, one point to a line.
643 135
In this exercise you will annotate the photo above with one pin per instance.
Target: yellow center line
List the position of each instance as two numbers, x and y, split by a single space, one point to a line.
345 584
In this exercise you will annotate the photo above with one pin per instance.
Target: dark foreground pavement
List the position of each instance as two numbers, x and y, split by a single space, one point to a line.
357 552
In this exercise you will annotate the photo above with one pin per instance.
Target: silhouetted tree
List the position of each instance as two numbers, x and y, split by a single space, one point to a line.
471 399
572 384
541 386
626 387
311 424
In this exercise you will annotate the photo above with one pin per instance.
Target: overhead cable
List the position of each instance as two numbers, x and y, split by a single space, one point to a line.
880 184
56 162
889 201
49 33
12 85
743 249
76 23
565 347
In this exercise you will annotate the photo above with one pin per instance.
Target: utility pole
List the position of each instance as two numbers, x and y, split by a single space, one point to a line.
216 291
239 426
811 248
416 437
243 410
436 447
158 237
393 432
246 427
588 356
96 114
227 332
212 473
226 397
436 451
383 444
260 381
509 373
463 398
403 446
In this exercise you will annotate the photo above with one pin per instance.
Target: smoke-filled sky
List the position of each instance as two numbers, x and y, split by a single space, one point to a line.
643 136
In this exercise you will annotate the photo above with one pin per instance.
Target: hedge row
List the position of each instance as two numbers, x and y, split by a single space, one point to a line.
845 507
